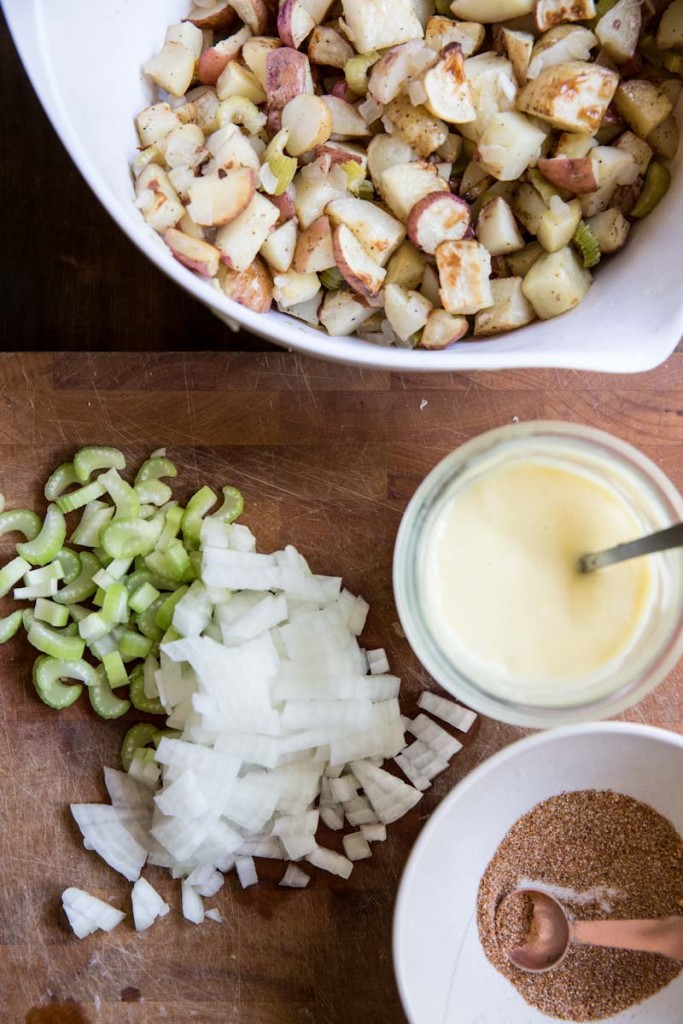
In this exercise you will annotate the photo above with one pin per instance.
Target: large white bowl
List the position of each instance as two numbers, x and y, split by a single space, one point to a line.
84 60
442 973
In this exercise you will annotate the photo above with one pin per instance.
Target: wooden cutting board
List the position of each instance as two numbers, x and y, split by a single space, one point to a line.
327 458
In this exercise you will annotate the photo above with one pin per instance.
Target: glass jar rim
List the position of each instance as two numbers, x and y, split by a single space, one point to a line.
599 444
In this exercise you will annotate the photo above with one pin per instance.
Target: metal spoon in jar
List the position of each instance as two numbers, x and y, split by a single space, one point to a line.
662 540
551 932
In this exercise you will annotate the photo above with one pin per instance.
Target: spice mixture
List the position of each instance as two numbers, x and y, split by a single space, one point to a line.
602 855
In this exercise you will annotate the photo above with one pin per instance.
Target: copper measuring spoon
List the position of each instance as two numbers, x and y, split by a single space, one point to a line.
552 932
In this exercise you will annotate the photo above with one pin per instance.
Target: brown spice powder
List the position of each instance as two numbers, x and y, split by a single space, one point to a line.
623 860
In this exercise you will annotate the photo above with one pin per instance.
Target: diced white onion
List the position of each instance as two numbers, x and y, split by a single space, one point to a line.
447 710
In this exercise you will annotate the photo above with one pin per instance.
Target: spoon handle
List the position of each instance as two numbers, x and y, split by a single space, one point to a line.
664 935
662 540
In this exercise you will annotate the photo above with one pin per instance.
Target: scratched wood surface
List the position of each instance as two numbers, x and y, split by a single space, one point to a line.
327 458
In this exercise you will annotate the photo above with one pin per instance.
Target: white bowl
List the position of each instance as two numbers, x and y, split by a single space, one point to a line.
443 975
84 59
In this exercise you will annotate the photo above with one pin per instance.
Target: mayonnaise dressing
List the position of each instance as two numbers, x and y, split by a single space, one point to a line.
500 582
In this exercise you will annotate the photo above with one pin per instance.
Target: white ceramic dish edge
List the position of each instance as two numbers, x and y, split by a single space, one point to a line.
630 322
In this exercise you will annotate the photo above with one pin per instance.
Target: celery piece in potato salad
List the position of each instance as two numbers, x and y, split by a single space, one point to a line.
377 173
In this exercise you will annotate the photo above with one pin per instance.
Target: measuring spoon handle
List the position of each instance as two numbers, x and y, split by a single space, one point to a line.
663 935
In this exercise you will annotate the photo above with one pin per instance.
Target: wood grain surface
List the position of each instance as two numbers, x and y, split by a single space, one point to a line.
327 458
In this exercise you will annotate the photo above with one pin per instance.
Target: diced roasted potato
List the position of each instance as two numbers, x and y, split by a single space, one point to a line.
156 197
611 230
618 30
443 329
193 252
314 191
236 80
573 174
188 35
510 308
664 139
380 24
640 150
346 121
154 123
436 218
360 271
172 68
558 224
573 145
497 228
309 122
475 182
291 288
520 263
572 96
240 240
448 92
294 23
215 201
279 247
343 312
379 233
407 311
670 31
404 185
528 206
254 14
559 45
556 12
406 267
556 283
612 167
642 105
219 16
464 275
255 55
416 126
230 149
509 144
441 31
252 287
488 11
327 46
397 67
494 89
214 60
288 74
517 47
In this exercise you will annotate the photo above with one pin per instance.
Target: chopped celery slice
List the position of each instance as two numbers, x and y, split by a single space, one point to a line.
43 548
82 587
332 279
174 563
105 645
153 492
122 494
55 644
146 623
99 595
154 468
20 520
197 507
173 518
83 496
139 700
128 537
356 71
115 606
10 626
11 573
587 244
103 699
64 476
56 615
94 627
164 615
48 674
53 571
115 669
31 593
232 507
96 516
283 168
88 460
140 735
70 563
132 645
142 597
657 182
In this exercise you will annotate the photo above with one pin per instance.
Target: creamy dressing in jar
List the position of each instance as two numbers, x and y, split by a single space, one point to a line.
500 582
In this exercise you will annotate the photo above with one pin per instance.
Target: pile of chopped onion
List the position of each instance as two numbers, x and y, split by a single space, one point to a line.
276 719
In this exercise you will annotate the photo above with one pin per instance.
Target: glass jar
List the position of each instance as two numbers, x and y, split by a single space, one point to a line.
654 502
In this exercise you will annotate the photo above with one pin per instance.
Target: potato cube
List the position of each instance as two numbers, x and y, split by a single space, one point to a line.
380 24
573 96
611 230
556 283
497 228
172 68
559 223
642 105
154 123
494 88
638 149
489 11
464 275
528 206
407 311
240 240
404 185
510 143
670 31
158 200
416 126
510 308
441 31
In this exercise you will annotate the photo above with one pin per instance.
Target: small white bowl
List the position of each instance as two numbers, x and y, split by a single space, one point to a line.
442 973
85 59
